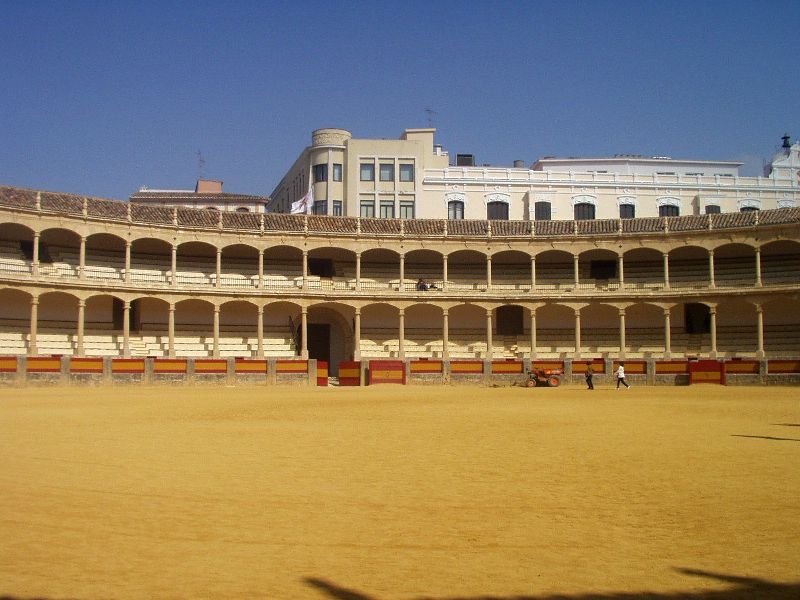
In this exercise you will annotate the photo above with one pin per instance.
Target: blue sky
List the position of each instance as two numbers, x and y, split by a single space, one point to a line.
100 98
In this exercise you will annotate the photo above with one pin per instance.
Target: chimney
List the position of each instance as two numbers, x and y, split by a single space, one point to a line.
519 164
787 141
208 186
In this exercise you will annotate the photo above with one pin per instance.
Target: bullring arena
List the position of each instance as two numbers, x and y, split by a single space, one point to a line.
270 483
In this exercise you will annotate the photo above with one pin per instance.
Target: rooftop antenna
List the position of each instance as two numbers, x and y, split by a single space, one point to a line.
430 112
201 165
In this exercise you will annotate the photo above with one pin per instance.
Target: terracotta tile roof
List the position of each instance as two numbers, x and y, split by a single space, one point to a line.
466 227
687 223
282 222
159 215
511 228
643 225
424 227
17 198
177 197
63 203
191 217
780 215
111 209
544 228
600 226
319 223
241 221
380 226
741 219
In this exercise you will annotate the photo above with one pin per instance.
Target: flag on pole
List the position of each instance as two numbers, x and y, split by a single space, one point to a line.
305 203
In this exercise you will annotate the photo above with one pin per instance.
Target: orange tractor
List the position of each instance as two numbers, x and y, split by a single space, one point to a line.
544 378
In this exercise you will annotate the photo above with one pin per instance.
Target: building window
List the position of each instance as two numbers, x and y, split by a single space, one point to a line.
667 210
387 209
406 209
367 208
712 209
497 211
387 172
320 173
748 209
455 210
406 172
337 172
242 209
367 172
583 211
542 211
627 211
320 207
337 208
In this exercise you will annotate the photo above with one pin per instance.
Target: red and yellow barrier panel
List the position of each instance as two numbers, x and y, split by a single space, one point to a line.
386 371
169 365
322 372
783 366
426 367
466 367
210 366
598 366
248 366
43 364
749 367
350 372
507 367
8 364
632 367
286 367
548 365
127 365
707 371
86 365
671 367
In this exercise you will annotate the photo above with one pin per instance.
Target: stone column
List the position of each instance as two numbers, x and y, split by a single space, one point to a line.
489 345
533 333
622 344
218 282
304 334
127 261
758 267
533 273
444 271
82 259
445 334
666 270
621 269
358 271
35 263
174 265
126 329
576 270
305 269
81 318
260 282
357 335
402 286
713 314
215 350
402 335
33 348
577 333
667 334
171 331
260 333
712 282
488 273
760 331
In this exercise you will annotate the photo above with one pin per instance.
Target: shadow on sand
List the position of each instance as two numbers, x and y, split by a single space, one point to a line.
740 588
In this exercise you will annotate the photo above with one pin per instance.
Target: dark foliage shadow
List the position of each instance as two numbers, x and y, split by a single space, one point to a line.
740 588
787 424
765 437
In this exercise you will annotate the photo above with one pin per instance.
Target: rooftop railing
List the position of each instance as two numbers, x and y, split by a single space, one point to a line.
204 219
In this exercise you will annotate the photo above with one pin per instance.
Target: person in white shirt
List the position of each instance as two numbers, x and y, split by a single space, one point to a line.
621 376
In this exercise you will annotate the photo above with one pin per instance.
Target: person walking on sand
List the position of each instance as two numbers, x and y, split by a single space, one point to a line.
589 373
621 376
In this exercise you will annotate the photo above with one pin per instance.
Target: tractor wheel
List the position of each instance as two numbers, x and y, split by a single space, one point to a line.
530 383
553 381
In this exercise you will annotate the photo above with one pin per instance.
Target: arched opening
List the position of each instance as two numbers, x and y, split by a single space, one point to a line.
15 321
780 262
510 339
737 333
466 270
380 269
283 267
59 253
597 268
151 261
643 268
734 265
554 270
238 329
467 331
105 256
196 264
103 318
511 270
645 333
239 266
426 265
600 332
149 327
424 331
330 334
16 248
781 327
689 267
281 323
57 323
380 329
555 332
194 328
331 269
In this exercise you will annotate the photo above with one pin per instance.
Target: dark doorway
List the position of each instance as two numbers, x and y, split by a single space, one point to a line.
319 341
509 320
697 318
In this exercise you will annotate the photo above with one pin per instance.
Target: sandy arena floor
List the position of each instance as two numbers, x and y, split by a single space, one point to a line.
395 492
